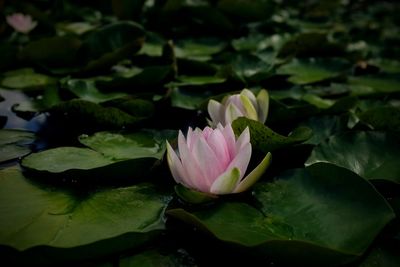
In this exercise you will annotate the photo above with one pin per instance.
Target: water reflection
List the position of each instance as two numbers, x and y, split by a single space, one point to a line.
12 98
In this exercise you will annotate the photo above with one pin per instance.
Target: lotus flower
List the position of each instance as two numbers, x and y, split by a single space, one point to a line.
214 161
21 23
245 104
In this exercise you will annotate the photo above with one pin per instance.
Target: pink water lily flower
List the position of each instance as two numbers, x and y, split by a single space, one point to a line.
245 104
214 161
21 23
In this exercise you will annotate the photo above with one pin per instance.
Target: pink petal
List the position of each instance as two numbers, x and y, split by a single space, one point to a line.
218 144
229 139
194 174
243 139
206 132
242 159
175 165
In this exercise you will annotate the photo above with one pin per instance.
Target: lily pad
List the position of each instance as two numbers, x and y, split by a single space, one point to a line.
199 49
304 71
380 83
84 166
372 155
88 115
188 99
118 146
382 118
265 139
14 143
323 127
87 90
196 80
105 46
41 221
53 52
25 79
313 209
155 258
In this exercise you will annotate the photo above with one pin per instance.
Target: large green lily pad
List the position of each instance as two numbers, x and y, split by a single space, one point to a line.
57 224
308 217
372 155
84 165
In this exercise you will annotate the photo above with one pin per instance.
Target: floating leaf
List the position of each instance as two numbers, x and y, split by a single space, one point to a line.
188 99
25 79
149 77
308 44
199 49
304 71
323 127
196 80
372 155
140 144
313 209
247 11
86 90
90 115
50 223
86 166
380 83
15 143
265 139
382 118
111 43
155 258
54 52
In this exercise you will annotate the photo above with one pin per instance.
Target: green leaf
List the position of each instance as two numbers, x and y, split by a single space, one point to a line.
85 166
372 155
54 52
382 118
14 143
196 80
192 196
323 127
142 144
87 90
60 225
250 67
304 210
200 49
305 71
111 43
60 159
380 83
306 44
88 115
187 98
248 11
148 77
26 79
157 258
266 140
